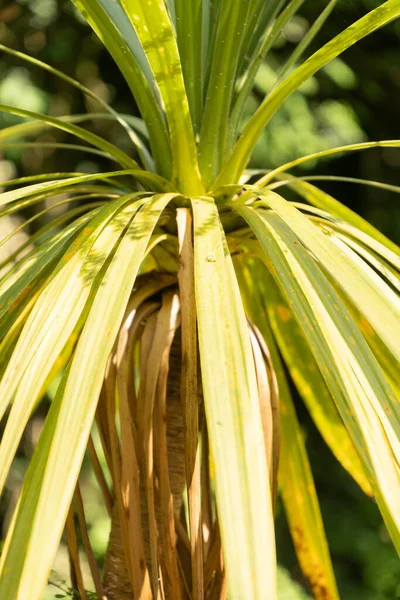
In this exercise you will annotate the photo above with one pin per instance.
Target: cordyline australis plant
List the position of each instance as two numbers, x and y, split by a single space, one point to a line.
175 298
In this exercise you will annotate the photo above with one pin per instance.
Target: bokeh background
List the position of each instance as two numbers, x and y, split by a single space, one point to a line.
355 98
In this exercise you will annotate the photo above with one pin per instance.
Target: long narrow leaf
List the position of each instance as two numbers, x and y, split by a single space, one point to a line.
161 49
16 291
366 290
233 415
377 184
296 482
341 354
270 36
43 506
375 19
146 158
189 32
265 180
310 383
112 26
37 189
225 59
305 42
79 132
321 199
54 318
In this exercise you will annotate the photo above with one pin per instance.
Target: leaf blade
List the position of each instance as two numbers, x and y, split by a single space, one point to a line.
233 416
111 25
160 47
79 132
375 19
296 482
45 500
330 331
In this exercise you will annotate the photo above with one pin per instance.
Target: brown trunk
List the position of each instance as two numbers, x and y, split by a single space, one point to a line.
116 579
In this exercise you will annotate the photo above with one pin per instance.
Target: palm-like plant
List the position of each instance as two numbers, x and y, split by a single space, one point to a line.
174 299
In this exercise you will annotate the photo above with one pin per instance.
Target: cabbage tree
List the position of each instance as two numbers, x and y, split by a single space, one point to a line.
176 301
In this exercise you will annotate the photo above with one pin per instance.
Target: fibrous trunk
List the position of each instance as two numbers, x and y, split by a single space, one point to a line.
151 448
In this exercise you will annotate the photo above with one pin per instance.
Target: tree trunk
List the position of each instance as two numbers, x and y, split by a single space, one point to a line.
116 579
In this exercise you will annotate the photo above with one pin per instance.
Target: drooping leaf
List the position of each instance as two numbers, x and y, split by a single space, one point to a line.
143 152
27 279
325 201
79 132
56 315
41 512
233 415
352 374
309 381
364 288
295 477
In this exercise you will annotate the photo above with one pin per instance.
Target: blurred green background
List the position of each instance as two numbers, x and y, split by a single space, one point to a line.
356 98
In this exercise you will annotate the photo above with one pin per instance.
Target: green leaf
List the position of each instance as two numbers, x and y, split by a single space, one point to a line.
57 184
366 290
296 482
323 200
355 238
17 288
36 178
324 153
189 31
390 271
304 371
269 38
305 42
261 18
310 383
46 495
160 47
362 395
388 362
233 414
34 127
228 41
146 158
375 19
38 215
58 311
57 146
25 254
37 189
111 25
377 184
79 132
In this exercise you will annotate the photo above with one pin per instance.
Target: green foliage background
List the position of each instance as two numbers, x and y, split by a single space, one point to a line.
356 98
